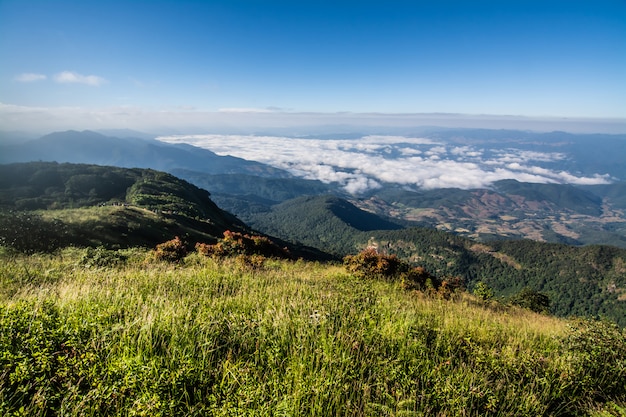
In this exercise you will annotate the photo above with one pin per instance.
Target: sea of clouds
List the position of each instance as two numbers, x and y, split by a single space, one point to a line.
363 164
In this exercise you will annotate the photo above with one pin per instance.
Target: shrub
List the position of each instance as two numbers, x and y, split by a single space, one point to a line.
597 349
450 286
370 264
29 232
100 257
172 251
418 278
235 243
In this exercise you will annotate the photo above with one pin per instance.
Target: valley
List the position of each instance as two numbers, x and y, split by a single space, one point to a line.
486 215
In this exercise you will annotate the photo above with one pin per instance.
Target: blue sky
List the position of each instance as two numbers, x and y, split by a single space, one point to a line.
521 58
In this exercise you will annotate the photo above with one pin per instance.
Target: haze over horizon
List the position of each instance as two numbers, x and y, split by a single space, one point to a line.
239 66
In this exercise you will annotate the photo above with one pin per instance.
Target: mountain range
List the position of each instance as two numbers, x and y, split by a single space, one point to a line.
130 152
471 233
508 209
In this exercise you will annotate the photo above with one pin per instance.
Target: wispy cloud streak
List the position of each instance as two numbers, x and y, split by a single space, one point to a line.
29 77
69 77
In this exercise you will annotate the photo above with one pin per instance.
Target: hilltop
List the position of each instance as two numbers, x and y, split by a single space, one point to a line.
47 205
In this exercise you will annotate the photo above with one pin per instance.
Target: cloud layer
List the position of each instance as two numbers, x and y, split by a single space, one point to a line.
367 163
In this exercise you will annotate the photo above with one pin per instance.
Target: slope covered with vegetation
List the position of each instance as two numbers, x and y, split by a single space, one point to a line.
44 205
586 281
117 333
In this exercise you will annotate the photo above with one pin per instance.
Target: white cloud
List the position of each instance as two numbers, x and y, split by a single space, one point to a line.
29 77
362 164
69 77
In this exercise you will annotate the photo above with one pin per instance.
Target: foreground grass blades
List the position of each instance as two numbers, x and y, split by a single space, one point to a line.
130 336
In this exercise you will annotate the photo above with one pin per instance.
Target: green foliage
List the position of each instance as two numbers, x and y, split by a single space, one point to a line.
32 348
49 185
483 291
101 257
532 300
597 350
28 232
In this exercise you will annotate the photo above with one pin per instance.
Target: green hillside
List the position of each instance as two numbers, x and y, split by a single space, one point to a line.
326 222
46 205
94 323
116 333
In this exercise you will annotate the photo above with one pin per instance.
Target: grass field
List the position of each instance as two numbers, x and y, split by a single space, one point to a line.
91 332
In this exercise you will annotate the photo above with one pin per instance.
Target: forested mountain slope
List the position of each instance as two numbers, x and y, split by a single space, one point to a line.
588 280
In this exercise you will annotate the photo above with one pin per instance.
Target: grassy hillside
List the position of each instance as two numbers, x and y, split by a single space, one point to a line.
584 281
115 333
46 205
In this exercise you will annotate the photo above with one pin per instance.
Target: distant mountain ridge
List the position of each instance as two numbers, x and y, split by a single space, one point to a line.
89 147
558 213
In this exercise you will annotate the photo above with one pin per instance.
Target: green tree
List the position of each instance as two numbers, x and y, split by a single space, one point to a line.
532 300
483 291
